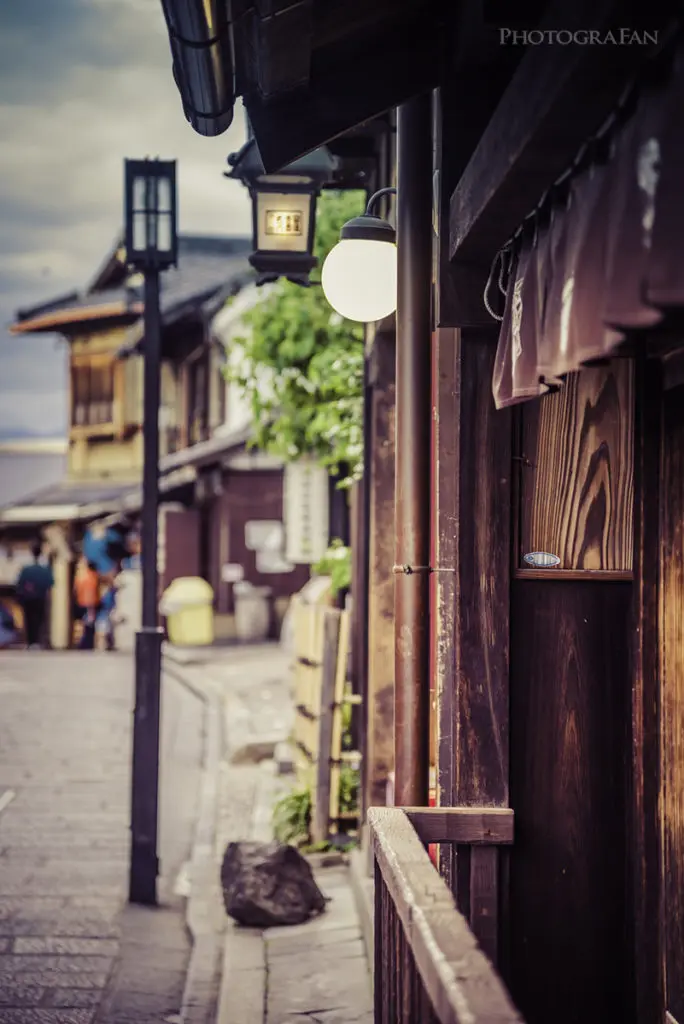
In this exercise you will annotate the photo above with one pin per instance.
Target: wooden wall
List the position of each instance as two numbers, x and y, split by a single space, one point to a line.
672 702
471 549
181 545
570 688
570 703
257 494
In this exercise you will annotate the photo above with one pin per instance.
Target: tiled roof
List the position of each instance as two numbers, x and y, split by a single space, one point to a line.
70 492
22 472
208 267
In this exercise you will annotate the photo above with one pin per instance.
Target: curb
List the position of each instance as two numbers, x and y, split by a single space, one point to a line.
363 888
203 977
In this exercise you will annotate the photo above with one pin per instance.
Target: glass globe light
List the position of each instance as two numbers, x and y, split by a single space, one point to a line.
359 276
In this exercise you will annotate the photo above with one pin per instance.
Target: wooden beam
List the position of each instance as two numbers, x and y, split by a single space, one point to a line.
458 127
405 63
467 825
559 96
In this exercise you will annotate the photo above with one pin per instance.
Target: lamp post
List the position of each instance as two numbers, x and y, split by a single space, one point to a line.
151 246
283 210
359 275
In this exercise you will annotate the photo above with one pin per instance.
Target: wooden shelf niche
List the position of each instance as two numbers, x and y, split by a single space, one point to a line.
575 477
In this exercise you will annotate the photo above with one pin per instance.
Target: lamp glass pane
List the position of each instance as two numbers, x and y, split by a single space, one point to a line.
163 195
283 221
139 193
164 232
139 232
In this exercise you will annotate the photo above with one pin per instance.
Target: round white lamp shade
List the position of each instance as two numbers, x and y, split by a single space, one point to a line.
359 279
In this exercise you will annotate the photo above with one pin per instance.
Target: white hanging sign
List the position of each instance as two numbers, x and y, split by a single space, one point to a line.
306 512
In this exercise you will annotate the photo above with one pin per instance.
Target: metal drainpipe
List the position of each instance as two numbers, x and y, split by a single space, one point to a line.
412 465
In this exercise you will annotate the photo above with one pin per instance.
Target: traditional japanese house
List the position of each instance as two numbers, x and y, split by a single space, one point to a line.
103 329
539 564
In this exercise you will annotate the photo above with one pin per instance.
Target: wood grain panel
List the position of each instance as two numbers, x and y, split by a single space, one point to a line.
645 821
672 699
570 689
577 469
482 526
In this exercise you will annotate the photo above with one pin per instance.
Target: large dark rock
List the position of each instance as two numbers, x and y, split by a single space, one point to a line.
266 884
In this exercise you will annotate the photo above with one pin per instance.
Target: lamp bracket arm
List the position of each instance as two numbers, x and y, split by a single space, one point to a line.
378 195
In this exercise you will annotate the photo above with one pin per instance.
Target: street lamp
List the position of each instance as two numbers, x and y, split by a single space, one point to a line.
283 210
359 275
151 246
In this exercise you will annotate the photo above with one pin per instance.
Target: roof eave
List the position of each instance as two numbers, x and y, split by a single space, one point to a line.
62 320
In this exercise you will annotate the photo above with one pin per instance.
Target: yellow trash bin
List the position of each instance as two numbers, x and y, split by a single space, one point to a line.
187 605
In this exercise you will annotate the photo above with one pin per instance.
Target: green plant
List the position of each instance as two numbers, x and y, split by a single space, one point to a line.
292 817
300 364
349 789
336 563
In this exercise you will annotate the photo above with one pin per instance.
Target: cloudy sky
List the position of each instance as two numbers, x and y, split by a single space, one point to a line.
84 83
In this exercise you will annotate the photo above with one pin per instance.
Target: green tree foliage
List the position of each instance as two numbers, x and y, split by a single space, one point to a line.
314 359
336 563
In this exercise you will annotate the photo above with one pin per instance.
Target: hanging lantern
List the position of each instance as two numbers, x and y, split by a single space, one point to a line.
283 210
359 275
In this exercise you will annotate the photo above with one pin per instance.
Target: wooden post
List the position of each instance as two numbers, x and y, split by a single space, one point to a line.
472 550
412 456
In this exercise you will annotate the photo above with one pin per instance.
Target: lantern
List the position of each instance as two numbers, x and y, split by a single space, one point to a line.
359 275
283 210
150 212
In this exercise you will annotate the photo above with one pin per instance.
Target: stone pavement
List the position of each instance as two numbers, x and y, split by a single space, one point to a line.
316 972
71 952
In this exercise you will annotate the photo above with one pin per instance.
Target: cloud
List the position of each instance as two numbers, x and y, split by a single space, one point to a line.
83 84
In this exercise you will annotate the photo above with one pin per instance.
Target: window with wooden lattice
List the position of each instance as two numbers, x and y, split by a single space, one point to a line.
92 393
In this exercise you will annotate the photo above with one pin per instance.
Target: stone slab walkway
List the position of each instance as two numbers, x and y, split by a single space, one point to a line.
316 973
71 951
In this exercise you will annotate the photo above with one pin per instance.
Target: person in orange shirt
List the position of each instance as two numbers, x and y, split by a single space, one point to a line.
87 594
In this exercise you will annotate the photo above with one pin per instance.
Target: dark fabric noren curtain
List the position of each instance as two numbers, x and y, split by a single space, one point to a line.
605 256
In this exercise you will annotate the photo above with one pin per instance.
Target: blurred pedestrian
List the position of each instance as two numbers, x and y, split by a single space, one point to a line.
87 594
133 547
32 589
104 623
8 630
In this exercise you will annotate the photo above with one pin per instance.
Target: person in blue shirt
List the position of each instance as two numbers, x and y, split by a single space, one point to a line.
32 589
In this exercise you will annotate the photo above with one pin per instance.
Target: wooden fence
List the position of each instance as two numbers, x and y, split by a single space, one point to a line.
322 689
429 960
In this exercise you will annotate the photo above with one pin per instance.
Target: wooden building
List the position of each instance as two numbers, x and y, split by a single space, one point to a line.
538 163
211 486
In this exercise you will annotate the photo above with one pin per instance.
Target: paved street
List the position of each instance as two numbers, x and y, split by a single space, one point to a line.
65 734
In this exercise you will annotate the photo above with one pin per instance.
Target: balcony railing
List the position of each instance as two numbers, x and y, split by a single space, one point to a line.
429 967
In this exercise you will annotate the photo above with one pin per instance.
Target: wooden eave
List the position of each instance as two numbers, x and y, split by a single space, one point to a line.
308 70
62 319
557 99
352 80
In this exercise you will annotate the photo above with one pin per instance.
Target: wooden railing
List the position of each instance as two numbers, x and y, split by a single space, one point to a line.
429 967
